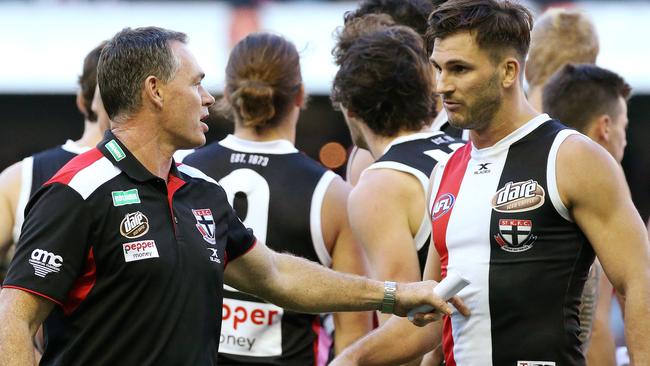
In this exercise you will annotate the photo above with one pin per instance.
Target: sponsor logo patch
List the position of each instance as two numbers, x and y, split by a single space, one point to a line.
518 197
443 204
515 235
251 328
134 225
535 363
139 250
115 150
45 262
205 224
122 198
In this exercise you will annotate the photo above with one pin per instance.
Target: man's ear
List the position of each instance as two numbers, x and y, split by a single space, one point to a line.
600 130
154 91
510 71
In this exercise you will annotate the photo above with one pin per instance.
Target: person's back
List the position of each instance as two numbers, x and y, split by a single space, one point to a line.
285 196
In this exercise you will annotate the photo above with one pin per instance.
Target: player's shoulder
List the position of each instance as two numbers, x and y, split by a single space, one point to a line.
195 174
203 154
85 172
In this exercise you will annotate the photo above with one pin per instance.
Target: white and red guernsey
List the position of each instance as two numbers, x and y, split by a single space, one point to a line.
498 221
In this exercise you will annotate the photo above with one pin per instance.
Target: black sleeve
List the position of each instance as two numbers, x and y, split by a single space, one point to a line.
240 239
53 244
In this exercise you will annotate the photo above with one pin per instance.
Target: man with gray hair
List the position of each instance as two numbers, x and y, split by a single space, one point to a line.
133 247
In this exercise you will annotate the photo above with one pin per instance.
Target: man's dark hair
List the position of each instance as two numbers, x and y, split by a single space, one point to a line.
88 81
411 13
386 80
498 26
576 94
356 28
128 59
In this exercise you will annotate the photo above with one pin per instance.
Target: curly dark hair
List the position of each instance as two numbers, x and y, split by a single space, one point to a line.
411 13
386 80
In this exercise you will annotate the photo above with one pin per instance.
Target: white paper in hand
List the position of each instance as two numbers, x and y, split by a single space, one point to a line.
446 289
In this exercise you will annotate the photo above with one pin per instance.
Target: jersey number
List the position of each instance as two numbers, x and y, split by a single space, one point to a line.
255 189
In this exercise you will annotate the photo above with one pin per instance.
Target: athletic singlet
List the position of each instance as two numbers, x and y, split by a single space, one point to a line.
278 192
417 154
498 221
38 169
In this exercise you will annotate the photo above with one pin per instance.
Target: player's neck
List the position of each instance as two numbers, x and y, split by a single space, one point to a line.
513 114
535 97
144 141
280 132
91 135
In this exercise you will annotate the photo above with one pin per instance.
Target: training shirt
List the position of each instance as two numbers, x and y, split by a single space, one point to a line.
498 221
134 264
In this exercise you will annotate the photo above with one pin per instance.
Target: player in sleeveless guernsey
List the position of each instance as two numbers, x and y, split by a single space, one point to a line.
21 180
303 214
519 211
389 114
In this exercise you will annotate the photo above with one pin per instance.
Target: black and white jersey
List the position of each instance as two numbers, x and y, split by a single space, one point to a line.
38 169
277 191
418 154
498 220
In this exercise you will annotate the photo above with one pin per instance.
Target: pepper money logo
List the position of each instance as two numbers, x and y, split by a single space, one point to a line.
518 197
45 262
134 225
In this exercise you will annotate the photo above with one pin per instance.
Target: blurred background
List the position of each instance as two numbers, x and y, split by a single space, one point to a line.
44 42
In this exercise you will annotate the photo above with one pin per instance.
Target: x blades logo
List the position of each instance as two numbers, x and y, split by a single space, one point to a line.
482 169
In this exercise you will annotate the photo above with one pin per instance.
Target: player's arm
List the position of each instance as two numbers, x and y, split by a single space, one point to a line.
380 347
21 314
601 350
593 188
10 180
347 256
381 207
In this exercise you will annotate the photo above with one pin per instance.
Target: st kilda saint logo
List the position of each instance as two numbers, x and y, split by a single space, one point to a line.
518 197
134 225
443 204
205 224
515 235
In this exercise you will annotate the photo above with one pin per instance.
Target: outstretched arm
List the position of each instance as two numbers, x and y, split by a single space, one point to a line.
593 188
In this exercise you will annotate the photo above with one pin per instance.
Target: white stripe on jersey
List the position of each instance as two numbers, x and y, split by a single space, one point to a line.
88 179
195 173
551 181
315 226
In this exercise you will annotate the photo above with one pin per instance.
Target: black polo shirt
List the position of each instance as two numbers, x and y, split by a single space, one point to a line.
135 264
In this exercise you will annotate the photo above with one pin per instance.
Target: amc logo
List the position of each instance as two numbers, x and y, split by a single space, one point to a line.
48 258
443 204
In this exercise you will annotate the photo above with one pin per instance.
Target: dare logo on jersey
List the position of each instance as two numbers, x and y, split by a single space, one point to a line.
134 225
518 197
443 204
205 224
515 235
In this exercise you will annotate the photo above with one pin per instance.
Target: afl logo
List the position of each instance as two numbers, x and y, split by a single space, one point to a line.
134 225
443 204
518 197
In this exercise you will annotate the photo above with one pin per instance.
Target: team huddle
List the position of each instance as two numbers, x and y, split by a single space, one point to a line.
246 251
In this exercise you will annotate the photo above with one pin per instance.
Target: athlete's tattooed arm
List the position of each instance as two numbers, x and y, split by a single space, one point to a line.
593 188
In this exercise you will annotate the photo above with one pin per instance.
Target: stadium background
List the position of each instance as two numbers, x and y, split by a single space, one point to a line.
44 41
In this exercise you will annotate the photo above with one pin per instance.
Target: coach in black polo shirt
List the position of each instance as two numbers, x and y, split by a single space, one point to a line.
123 252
